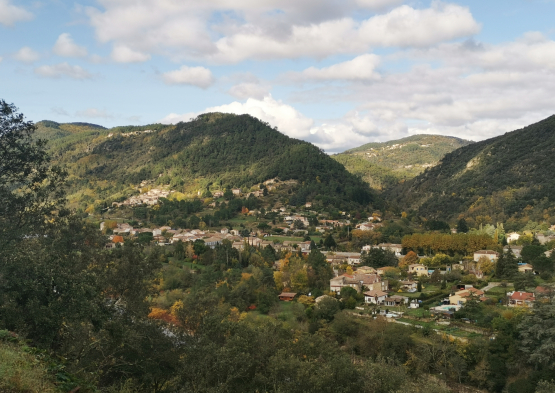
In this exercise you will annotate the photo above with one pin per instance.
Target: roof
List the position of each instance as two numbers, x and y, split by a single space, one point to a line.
288 294
488 252
543 290
416 264
375 293
522 296
469 292
367 278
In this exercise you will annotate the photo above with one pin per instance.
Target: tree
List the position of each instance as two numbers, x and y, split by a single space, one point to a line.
419 287
329 242
408 259
377 258
462 226
538 340
31 189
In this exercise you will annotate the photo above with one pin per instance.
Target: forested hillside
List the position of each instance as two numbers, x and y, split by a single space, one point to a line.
503 179
212 152
383 165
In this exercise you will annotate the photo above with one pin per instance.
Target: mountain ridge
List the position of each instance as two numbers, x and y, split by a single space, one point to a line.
497 179
384 164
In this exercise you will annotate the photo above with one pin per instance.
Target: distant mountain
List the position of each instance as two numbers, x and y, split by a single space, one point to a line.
212 152
384 164
502 179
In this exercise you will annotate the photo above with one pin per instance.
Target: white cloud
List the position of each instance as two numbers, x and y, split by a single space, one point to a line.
409 27
286 118
124 54
66 47
249 90
10 14
26 55
360 68
196 76
272 29
94 113
61 70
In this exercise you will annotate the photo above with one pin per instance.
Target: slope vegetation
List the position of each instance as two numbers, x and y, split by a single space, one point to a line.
383 165
507 177
212 152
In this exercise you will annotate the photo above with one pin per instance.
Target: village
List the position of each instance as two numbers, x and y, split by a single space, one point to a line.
408 293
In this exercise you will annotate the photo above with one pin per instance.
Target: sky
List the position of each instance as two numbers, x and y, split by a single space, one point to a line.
337 73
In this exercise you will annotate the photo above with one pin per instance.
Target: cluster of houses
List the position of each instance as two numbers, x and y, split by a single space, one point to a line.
368 281
165 235
148 198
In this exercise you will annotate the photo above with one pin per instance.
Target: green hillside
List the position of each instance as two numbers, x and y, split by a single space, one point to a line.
384 164
507 178
212 152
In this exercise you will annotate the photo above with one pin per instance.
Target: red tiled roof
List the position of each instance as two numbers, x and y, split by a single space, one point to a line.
522 296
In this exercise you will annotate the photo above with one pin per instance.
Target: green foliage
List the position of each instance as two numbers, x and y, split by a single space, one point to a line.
496 178
237 151
383 165
377 258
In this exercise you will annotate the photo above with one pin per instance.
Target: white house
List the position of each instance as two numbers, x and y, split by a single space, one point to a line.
489 254
512 237
375 297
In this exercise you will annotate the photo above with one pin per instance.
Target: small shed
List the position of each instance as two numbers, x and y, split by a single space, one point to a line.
287 296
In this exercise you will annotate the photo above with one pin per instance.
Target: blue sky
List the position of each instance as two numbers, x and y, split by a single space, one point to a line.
335 73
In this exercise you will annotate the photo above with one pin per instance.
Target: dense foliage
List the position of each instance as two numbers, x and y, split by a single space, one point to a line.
384 164
214 150
502 179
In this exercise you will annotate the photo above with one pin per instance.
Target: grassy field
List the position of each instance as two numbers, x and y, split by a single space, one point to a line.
20 371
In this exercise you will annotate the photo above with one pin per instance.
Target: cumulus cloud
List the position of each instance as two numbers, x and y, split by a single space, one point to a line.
124 54
66 47
359 69
94 113
286 118
274 29
195 76
11 14
26 55
249 90
63 70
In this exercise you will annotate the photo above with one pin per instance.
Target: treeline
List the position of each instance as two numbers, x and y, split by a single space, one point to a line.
460 243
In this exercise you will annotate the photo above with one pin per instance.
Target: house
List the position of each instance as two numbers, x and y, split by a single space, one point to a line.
287 296
351 258
218 194
489 254
409 285
460 297
395 301
383 270
516 250
372 281
521 299
344 280
525 268
543 238
544 292
365 270
375 297
236 191
308 204
414 304
395 248
418 269
212 242
156 232
512 237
